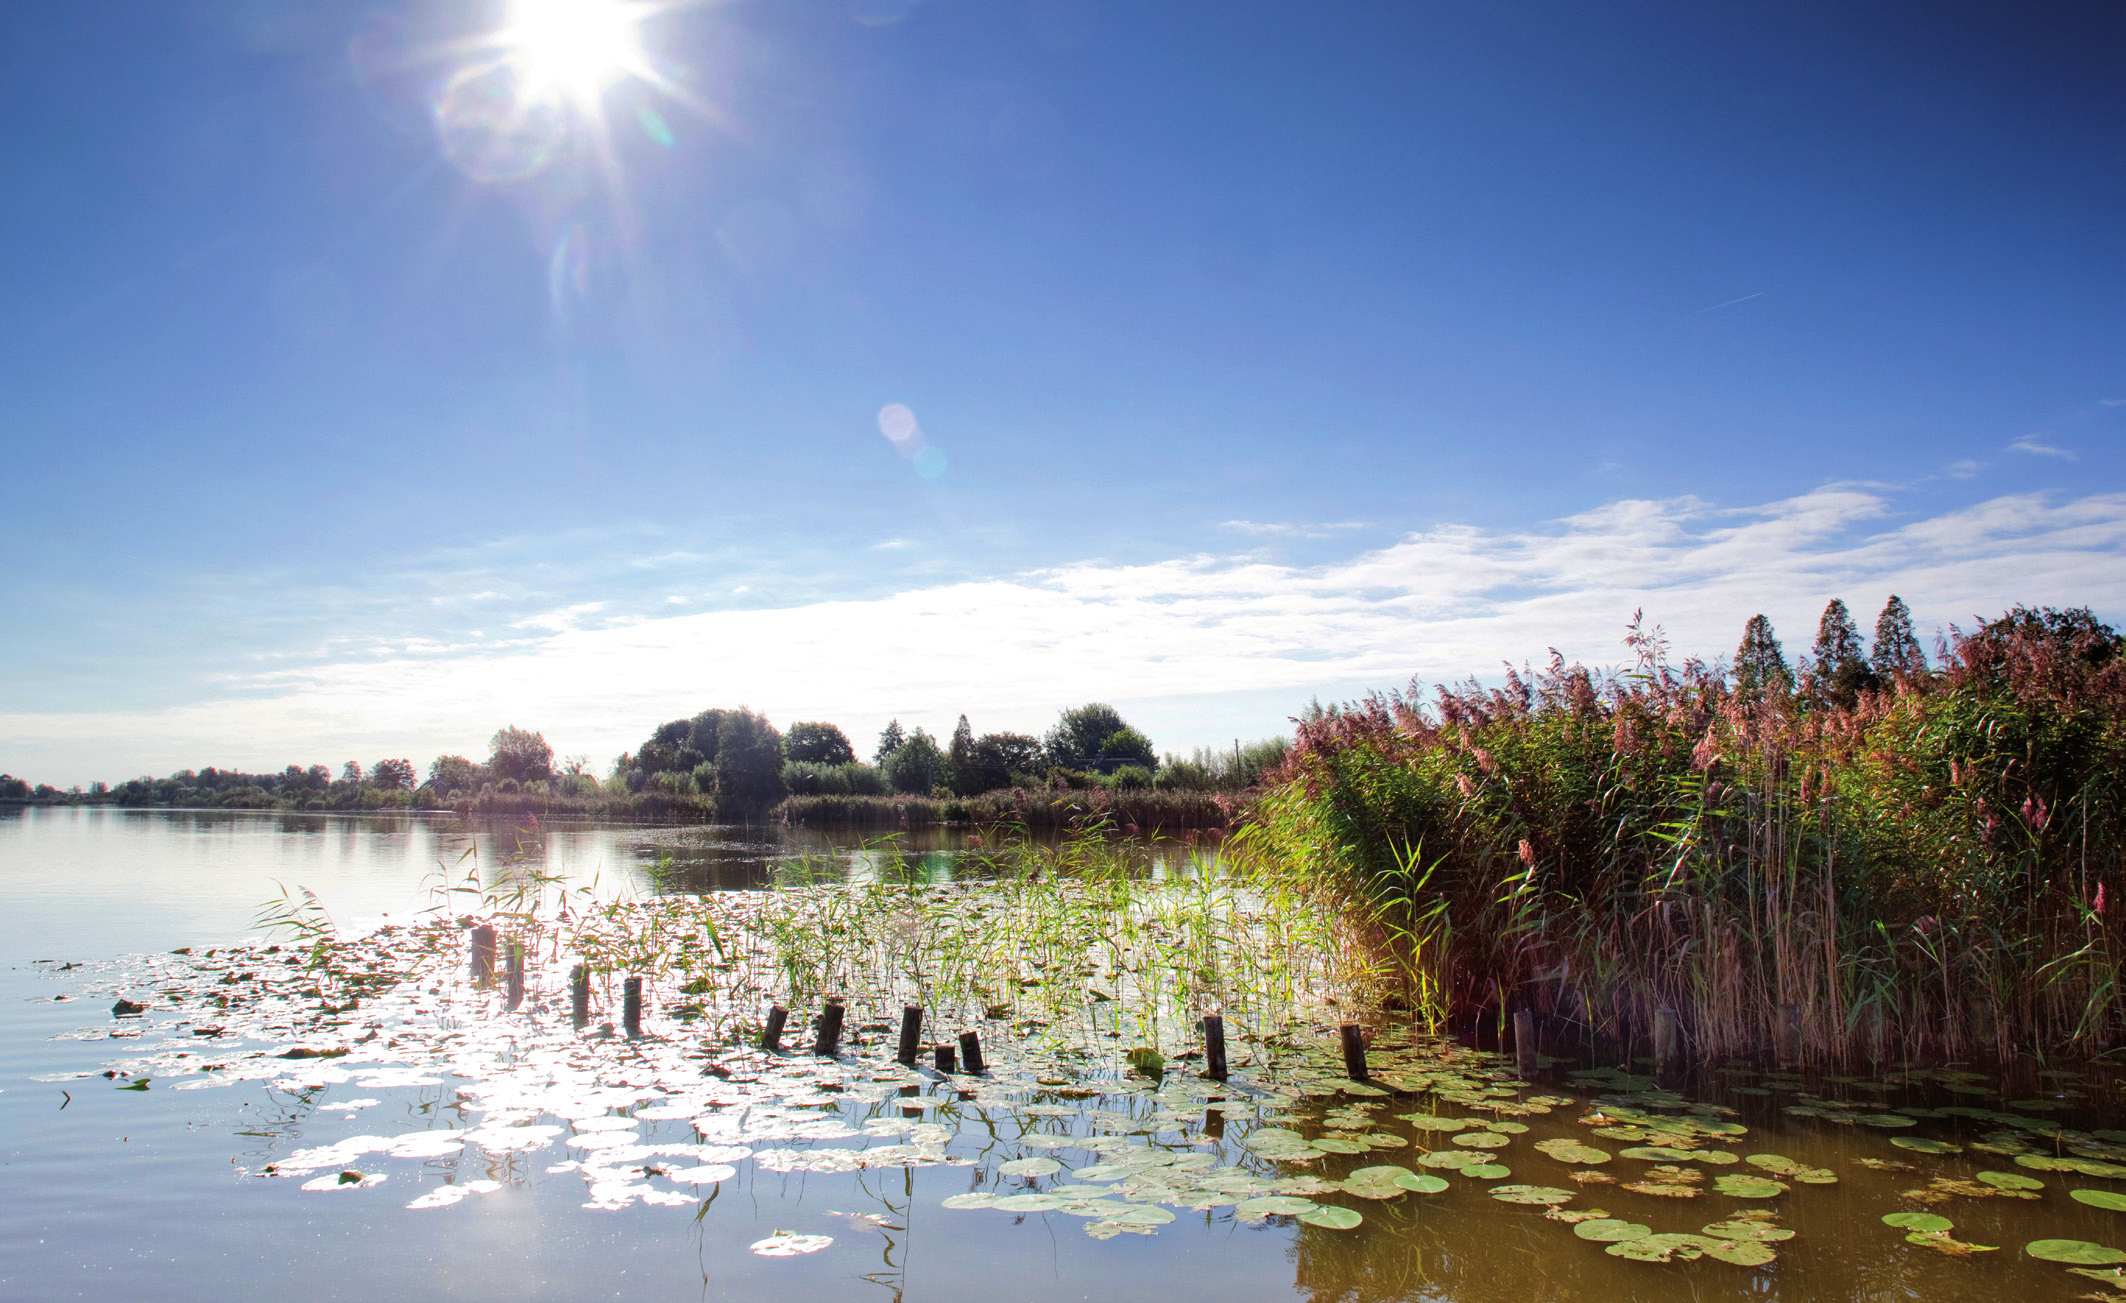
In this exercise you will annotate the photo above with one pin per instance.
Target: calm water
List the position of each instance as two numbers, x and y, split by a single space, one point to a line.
110 1192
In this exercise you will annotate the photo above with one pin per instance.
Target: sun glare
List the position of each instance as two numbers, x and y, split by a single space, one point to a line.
574 48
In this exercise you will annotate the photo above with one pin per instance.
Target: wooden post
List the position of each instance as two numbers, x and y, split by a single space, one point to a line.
516 974
830 1031
1214 1120
1786 1036
579 995
911 1034
1524 1045
1984 1036
631 1006
1214 1047
1354 1051
948 1057
1667 1039
771 1035
483 954
971 1052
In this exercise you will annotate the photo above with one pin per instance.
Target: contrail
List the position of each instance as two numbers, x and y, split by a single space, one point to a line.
1729 304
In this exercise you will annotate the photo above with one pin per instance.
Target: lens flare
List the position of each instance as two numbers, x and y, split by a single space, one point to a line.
574 48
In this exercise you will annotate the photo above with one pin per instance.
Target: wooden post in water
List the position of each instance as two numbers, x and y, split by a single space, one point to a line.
911 1034
830 1031
948 1056
1984 1036
1354 1051
1667 1040
516 974
971 1051
771 1035
483 954
1786 1036
1524 1046
1214 1047
631 1006
579 995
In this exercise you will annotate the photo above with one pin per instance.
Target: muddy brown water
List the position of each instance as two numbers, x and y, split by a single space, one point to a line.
157 1192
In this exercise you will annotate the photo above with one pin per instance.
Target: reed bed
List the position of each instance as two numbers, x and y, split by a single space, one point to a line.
1140 813
1929 871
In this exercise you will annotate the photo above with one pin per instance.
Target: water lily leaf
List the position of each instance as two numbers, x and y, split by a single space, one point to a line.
1917 1221
1340 1145
1567 1150
1422 1183
1743 1253
1660 1154
1942 1242
1030 1167
1749 1187
1610 1230
1141 1215
784 1244
2100 1199
1922 1145
2080 1253
1664 1248
1482 1140
2091 1167
2011 1181
1535 1194
1746 1229
1426 1122
1030 1203
1885 1120
1276 1205
1333 1217
1450 1158
1487 1171
973 1199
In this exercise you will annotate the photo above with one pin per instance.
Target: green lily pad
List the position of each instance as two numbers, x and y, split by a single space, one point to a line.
2011 1181
1276 1205
2091 1167
1749 1187
1885 1120
1333 1217
1917 1221
1030 1167
1340 1145
1743 1253
1487 1171
1740 1229
1660 1154
2100 1199
976 1199
1568 1150
1664 1248
1922 1145
1422 1183
1426 1122
1610 1230
1029 1203
1536 1194
1450 1158
1482 1140
2079 1253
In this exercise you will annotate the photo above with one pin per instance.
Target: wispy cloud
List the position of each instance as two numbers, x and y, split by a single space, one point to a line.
1284 529
1963 470
1208 644
2030 443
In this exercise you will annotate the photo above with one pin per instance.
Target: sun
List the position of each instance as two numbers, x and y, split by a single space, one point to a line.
574 49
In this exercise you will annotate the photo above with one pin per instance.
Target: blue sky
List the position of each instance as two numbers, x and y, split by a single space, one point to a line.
1256 351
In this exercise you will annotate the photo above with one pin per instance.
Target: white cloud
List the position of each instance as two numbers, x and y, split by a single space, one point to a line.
2030 443
1285 529
1215 645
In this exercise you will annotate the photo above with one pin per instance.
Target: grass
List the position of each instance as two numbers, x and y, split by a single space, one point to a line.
1929 870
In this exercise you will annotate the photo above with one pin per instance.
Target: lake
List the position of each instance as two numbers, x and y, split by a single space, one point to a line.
541 1161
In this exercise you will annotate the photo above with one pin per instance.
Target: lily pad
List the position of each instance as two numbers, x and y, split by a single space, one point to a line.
1276 1205
1611 1230
2079 1253
1333 1217
1743 1253
1482 1140
1665 1248
2100 1199
785 1244
1568 1150
1487 1171
1031 1167
1746 1229
2011 1181
973 1199
1922 1145
1536 1194
1749 1187
1030 1203
1917 1221
1422 1183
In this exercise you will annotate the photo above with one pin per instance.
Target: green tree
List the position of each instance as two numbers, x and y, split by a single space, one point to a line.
1126 746
812 742
1079 733
1897 651
961 773
451 774
520 754
914 765
350 774
749 759
1002 759
890 739
1760 662
1836 663
392 775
